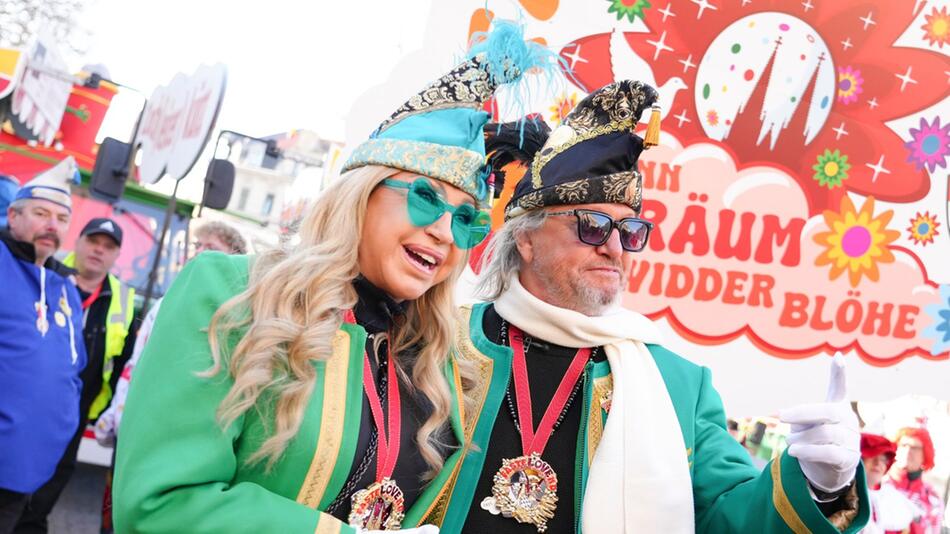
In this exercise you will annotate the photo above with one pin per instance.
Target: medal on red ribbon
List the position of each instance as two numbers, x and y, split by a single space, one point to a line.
525 488
381 506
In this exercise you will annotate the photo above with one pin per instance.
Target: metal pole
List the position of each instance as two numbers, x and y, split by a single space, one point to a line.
153 274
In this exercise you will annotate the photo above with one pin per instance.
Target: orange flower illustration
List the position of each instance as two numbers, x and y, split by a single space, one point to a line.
856 241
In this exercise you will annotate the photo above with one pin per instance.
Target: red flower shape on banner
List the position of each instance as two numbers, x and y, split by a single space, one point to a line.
781 82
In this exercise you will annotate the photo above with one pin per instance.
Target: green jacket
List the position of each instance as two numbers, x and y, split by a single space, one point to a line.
729 494
119 320
178 471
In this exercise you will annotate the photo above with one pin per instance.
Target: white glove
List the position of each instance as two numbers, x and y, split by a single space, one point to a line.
825 436
424 529
105 428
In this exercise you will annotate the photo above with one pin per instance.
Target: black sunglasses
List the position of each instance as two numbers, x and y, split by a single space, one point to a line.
594 228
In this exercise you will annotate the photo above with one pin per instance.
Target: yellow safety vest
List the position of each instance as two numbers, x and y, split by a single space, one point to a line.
118 321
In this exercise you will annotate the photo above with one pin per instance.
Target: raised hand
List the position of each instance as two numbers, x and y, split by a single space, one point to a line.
825 436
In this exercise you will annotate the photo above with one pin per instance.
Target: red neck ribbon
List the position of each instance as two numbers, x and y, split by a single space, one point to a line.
534 441
388 450
92 297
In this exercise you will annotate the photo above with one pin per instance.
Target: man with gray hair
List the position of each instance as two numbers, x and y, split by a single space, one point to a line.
592 425
41 343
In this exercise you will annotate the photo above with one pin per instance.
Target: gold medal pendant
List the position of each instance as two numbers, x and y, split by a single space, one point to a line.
525 488
381 506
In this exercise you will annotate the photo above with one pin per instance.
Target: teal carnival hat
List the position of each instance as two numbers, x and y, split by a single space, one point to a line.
439 131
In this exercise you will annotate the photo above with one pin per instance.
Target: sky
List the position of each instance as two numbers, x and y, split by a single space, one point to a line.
285 66
286 63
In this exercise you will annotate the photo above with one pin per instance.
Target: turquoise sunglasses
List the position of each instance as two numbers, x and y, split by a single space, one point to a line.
469 225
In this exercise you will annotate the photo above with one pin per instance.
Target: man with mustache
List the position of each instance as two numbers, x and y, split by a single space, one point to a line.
576 392
41 348
107 310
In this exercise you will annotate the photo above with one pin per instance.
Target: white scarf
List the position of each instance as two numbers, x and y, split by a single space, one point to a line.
639 478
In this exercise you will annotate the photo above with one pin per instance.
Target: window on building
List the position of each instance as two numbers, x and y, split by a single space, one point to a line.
268 205
242 200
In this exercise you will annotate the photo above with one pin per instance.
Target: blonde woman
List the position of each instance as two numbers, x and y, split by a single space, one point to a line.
313 389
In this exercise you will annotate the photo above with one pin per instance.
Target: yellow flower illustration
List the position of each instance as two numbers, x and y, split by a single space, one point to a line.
856 242
562 107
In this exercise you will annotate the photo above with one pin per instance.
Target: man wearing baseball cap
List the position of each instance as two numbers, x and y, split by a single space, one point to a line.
107 306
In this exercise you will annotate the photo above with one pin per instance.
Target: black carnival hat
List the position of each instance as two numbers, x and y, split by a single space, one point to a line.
592 157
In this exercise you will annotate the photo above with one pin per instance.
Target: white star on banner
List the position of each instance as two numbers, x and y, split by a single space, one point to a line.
839 131
667 12
687 63
681 118
878 168
575 56
660 45
703 6
905 78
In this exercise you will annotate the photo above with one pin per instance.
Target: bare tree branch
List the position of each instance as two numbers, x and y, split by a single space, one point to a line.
22 20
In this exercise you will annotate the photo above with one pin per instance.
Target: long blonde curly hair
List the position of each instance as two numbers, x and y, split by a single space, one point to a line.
292 308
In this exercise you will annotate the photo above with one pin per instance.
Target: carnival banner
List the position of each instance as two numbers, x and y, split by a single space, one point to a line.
800 189
177 122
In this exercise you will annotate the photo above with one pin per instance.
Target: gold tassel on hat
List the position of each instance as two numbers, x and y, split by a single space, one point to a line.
652 137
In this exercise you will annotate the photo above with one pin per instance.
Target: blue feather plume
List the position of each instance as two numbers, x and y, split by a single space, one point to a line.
506 56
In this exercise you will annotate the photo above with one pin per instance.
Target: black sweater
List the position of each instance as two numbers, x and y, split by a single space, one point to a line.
376 312
547 364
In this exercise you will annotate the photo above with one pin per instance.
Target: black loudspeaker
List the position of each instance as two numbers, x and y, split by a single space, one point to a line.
111 170
758 434
219 182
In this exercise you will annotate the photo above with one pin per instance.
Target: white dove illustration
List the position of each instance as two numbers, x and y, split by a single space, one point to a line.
625 64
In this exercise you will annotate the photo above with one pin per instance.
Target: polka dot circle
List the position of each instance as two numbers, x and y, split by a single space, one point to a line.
748 75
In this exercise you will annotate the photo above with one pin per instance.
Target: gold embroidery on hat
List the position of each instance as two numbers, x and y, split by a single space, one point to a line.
454 165
466 86
572 192
615 186
634 193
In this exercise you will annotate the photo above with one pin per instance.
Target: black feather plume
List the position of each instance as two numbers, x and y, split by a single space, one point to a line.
513 141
